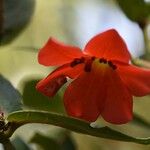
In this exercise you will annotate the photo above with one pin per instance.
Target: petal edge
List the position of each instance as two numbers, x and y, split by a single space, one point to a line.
110 45
136 79
55 53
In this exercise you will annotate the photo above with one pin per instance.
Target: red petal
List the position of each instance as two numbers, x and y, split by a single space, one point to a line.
84 97
54 81
55 53
109 45
118 104
136 79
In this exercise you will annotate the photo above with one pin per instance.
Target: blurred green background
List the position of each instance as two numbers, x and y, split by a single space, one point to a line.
25 26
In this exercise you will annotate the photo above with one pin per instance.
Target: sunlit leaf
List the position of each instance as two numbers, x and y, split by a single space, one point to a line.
10 98
22 117
15 15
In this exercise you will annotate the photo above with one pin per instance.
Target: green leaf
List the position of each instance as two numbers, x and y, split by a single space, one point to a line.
45 142
23 117
14 16
19 144
10 98
136 10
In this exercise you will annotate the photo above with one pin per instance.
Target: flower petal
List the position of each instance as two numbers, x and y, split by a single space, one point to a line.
54 81
84 97
109 45
118 104
55 53
136 79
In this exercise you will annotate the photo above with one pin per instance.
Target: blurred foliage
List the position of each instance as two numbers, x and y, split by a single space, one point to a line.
136 10
35 100
61 142
141 121
15 14
10 98
19 144
17 63
44 142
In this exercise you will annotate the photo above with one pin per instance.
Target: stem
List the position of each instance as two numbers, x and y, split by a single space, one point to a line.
8 145
146 40
1 17
141 63
143 26
20 118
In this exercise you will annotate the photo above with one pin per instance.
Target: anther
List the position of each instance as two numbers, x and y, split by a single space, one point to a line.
77 61
112 65
103 60
93 58
88 64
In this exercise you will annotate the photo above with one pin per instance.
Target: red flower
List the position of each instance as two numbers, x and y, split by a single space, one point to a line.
104 82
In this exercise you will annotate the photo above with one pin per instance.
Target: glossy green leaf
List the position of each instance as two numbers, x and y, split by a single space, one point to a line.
23 117
10 98
136 10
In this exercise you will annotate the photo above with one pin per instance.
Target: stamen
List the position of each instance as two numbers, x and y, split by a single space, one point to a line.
88 64
93 58
103 60
112 65
77 61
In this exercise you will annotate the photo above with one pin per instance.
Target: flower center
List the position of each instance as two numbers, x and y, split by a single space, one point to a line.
101 62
